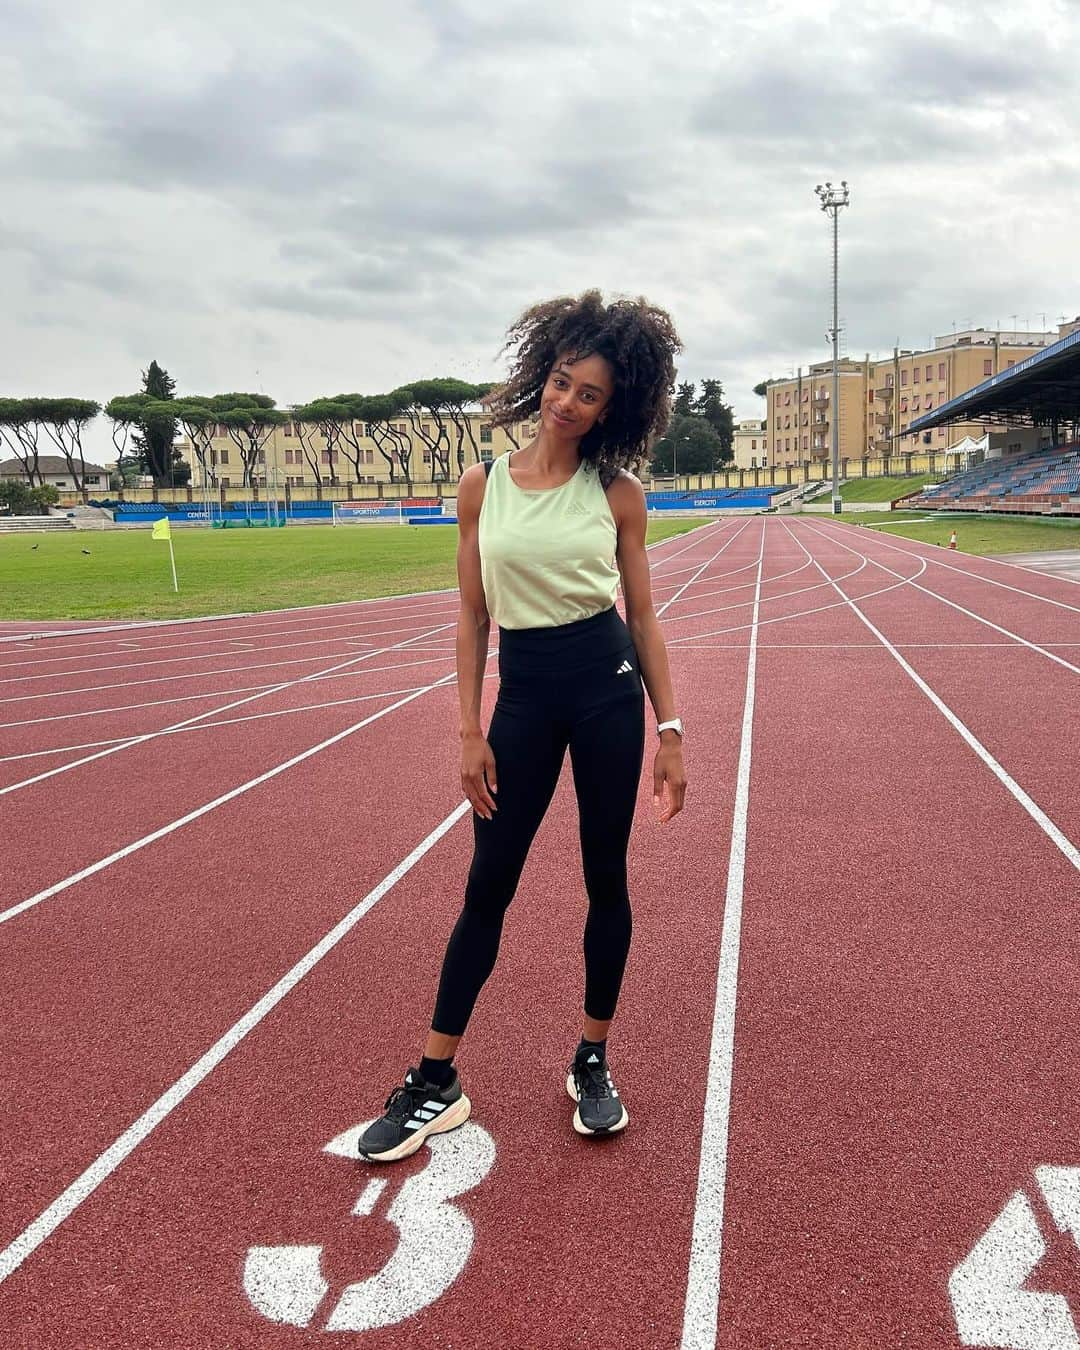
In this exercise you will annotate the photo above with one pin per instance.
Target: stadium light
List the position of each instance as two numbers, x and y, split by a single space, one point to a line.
833 199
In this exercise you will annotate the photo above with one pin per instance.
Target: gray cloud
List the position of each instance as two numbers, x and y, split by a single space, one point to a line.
351 198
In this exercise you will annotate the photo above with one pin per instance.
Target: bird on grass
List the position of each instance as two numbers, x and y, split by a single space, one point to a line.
32 547
87 552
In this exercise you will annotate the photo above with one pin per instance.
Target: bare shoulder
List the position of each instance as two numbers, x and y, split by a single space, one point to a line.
625 495
470 495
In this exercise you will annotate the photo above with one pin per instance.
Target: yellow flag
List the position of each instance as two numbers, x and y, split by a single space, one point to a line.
161 529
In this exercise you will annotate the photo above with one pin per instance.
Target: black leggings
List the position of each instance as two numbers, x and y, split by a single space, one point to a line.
576 685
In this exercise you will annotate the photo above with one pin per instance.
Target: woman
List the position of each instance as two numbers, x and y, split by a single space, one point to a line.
546 534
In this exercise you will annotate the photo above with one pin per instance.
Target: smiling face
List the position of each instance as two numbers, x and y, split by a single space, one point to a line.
576 395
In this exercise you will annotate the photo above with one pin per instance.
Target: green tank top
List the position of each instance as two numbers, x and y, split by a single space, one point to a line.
547 555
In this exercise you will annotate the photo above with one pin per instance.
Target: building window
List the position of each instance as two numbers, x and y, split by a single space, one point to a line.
929 404
988 367
485 434
225 455
1010 365
915 404
753 444
806 442
941 370
903 378
915 375
888 380
262 457
288 428
225 482
903 404
288 454
753 461
369 456
324 458
929 374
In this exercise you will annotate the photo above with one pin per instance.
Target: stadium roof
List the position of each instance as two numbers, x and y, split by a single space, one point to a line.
1042 389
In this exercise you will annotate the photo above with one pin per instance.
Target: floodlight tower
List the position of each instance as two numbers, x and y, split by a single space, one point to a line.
833 199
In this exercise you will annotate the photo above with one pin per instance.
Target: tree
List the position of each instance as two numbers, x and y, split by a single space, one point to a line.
249 421
330 418
383 414
19 429
64 420
426 399
762 389
457 395
699 447
711 406
684 400
197 416
155 439
15 497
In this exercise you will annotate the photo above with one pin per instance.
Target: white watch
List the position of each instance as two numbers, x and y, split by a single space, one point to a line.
674 725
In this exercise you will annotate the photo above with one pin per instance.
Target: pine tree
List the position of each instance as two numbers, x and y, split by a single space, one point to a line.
154 441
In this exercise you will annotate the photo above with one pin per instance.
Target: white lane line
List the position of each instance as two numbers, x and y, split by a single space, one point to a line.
1006 632
788 618
162 831
972 576
205 656
730 540
137 625
394 666
367 623
226 722
209 712
13 1256
172 679
706 1241
1056 836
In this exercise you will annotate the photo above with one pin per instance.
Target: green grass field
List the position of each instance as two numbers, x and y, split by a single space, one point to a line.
126 574
880 489
974 534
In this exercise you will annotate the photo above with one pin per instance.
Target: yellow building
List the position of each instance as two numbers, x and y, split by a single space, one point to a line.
302 458
880 398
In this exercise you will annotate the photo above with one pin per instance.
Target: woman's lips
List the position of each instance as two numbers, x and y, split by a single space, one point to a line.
562 421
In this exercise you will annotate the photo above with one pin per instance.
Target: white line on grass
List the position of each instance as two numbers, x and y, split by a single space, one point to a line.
1034 810
706 1242
12 1256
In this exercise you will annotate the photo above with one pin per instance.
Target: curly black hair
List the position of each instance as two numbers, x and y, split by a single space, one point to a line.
636 337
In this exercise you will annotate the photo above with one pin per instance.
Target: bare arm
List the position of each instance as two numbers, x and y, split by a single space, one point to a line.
473 633
627 500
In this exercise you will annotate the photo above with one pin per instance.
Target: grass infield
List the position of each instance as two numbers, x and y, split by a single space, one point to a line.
125 574
974 534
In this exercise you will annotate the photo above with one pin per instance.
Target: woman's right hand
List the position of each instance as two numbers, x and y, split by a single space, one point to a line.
478 774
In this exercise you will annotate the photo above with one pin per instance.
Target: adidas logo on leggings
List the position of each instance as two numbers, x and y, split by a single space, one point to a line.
625 668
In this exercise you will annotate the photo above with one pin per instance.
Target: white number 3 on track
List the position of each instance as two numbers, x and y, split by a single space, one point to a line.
286 1284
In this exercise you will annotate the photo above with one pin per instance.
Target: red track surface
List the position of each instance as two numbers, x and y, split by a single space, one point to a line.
905 1038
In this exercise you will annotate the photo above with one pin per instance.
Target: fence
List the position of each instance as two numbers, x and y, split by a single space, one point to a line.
778 476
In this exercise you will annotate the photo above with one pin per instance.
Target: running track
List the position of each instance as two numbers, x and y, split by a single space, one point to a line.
848 1038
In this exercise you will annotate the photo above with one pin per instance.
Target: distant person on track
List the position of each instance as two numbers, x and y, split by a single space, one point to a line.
545 535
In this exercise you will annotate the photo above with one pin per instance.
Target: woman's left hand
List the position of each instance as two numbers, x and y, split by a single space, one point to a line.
668 771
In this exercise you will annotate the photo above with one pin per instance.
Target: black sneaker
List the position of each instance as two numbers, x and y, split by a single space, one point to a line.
600 1109
413 1112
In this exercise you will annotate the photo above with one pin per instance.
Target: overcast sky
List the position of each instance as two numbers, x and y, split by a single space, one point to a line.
312 198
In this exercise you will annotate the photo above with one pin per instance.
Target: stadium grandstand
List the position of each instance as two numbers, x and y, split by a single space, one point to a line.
1039 473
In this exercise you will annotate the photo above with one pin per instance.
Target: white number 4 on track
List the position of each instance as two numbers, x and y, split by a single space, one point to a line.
286 1284
991 1306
